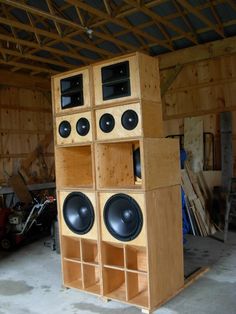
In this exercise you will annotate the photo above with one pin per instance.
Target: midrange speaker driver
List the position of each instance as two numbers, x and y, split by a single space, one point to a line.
64 129
82 126
123 217
78 213
107 122
129 119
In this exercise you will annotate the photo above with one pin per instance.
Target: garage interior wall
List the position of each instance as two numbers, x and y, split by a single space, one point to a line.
25 122
202 89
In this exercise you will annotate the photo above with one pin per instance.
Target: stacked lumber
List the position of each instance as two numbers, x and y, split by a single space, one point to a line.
197 197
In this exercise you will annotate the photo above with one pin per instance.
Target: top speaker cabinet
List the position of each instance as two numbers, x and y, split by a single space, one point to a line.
72 91
133 77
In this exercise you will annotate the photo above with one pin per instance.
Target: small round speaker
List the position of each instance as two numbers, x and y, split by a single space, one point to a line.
137 163
107 122
82 126
123 217
129 119
78 213
64 129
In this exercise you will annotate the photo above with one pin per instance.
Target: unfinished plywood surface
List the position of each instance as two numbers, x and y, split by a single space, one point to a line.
161 163
203 87
114 165
25 117
165 254
193 142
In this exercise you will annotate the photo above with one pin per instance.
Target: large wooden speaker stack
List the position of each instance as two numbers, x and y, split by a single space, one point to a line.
118 183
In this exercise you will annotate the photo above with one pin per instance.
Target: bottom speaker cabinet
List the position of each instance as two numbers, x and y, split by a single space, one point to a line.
147 268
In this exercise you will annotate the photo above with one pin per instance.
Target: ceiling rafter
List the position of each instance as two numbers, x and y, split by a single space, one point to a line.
195 11
160 19
115 20
52 11
216 16
64 21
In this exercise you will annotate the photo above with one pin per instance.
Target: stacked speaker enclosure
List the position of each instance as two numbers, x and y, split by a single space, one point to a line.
118 183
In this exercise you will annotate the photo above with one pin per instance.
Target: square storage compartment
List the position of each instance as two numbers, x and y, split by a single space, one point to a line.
114 284
74 167
137 289
136 258
72 274
117 165
112 255
92 282
90 251
71 248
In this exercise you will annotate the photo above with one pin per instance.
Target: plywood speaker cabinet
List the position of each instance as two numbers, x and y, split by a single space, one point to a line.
74 128
142 119
72 91
118 183
126 79
142 258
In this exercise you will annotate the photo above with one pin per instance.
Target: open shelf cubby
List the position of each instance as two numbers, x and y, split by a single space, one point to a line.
114 286
137 288
72 274
74 166
71 248
115 165
136 258
113 255
89 251
92 282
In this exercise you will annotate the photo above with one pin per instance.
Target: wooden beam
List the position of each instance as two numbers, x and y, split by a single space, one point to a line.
117 21
160 19
24 81
173 73
35 58
29 67
198 53
200 16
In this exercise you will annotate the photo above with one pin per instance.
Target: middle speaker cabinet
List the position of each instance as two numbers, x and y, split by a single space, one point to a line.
125 121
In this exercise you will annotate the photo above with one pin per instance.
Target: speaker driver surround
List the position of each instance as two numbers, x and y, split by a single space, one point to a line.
123 217
82 126
129 119
78 213
64 129
107 122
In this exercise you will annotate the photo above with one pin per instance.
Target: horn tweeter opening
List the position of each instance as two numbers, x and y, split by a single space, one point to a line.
78 213
129 119
123 217
107 122
82 126
64 129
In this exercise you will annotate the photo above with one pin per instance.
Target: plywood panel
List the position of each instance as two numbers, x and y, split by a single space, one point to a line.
193 142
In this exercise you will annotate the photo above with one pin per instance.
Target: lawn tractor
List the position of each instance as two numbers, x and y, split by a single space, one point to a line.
22 223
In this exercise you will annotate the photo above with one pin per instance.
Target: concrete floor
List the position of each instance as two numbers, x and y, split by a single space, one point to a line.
30 283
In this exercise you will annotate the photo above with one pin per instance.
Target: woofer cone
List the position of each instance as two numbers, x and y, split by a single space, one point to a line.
107 122
123 217
64 129
82 126
137 163
129 119
78 213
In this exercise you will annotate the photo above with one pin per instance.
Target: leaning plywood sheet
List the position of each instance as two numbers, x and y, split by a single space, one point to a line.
193 142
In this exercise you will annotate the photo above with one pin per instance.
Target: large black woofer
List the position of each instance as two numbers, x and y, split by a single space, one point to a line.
82 126
107 122
123 217
78 213
64 129
129 119
137 163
